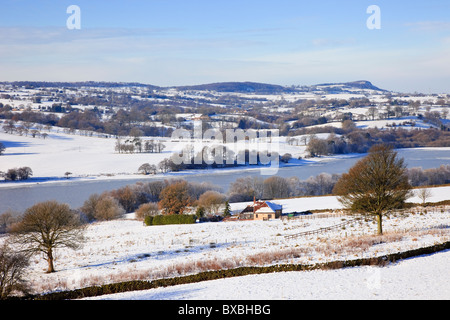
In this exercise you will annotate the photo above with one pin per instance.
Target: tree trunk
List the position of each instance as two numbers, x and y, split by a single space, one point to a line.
380 223
50 269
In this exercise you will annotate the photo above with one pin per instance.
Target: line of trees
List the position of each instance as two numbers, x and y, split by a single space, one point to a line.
361 140
245 188
165 196
26 128
429 177
275 187
87 120
211 157
137 145
23 173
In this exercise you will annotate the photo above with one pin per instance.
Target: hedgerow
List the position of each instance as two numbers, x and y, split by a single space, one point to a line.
169 219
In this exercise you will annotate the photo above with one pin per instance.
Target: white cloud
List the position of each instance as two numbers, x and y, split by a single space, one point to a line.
429 26
167 57
320 42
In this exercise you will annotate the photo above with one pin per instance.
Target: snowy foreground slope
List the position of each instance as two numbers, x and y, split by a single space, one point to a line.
125 249
424 278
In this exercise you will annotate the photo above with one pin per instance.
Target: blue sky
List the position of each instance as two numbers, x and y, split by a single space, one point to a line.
172 42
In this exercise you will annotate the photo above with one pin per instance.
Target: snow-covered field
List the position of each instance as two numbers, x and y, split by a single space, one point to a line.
421 278
82 156
125 249
94 157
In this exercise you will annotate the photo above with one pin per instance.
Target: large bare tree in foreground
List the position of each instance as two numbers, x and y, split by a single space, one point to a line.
376 184
47 226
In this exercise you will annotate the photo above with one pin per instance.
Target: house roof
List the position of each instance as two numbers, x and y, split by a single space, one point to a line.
274 206
262 207
271 208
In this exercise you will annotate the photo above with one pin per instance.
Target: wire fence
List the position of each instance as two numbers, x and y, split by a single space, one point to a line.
322 230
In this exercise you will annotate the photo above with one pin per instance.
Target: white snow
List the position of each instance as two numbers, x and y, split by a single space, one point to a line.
125 249
95 157
421 278
61 152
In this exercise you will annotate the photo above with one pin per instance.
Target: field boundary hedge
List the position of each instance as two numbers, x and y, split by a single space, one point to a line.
169 219
228 273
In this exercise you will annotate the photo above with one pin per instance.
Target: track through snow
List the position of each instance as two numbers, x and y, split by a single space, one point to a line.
420 278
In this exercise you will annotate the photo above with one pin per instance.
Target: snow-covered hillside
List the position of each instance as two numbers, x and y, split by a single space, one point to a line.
125 249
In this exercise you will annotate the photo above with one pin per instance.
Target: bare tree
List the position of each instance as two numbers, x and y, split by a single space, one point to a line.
47 226
89 205
317 147
147 209
276 188
376 184
127 197
212 201
24 173
7 218
164 165
12 268
2 148
286 157
108 208
372 112
424 194
147 168
152 190
246 188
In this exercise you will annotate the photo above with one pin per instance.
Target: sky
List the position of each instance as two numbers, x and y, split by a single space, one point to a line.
187 42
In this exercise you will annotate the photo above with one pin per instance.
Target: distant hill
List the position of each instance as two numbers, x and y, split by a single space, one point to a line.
264 88
98 84
241 87
236 87
362 84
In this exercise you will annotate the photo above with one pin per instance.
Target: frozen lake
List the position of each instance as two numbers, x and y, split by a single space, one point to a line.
75 193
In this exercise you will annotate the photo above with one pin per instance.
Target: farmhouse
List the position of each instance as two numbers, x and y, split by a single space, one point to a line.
261 210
